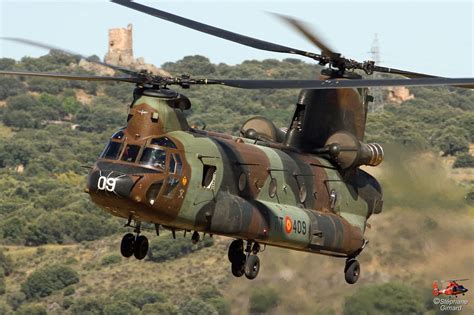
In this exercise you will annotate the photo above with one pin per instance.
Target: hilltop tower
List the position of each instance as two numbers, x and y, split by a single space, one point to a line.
120 46
377 92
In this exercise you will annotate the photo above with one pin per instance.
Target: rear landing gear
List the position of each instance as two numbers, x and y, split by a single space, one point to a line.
247 263
352 270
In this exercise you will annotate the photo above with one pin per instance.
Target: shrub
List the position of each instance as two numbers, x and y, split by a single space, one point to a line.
31 310
16 299
69 291
87 306
387 298
45 281
120 308
2 285
139 297
111 260
262 300
163 249
5 263
194 306
464 160
160 309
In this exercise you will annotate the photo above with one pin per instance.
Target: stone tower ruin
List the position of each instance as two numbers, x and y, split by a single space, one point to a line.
120 46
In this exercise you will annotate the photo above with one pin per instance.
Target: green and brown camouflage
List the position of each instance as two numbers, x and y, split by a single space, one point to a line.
263 188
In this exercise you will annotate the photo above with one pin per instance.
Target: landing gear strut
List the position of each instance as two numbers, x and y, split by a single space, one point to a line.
247 263
134 245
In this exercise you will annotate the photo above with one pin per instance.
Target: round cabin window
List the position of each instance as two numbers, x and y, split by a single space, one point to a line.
242 181
272 188
303 193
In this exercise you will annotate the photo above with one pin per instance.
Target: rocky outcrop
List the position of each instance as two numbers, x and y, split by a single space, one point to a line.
399 94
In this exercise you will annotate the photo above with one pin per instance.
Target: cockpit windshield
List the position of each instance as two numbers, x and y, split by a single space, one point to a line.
112 150
154 157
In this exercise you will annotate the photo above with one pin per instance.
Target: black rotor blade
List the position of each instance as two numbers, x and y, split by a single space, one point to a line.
67 52
218 32
79 77
338 84
303 29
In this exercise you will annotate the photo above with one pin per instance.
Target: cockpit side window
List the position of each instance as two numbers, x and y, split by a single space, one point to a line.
119 135
130 153
154 157
163 142
112 150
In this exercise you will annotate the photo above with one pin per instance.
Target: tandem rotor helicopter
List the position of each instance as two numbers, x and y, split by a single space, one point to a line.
300 189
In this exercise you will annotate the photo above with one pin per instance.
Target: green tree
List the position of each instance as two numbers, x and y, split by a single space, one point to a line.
452 140
45 281
10 87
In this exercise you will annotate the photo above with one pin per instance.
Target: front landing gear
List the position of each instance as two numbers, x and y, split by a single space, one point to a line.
352 270
134 245
248 263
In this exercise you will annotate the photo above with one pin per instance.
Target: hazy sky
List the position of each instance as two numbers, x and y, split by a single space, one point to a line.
425 36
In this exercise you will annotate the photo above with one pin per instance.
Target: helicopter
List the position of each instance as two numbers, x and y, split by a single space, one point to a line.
300 188
453 288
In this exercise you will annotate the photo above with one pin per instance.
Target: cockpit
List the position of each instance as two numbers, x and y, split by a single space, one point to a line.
161 153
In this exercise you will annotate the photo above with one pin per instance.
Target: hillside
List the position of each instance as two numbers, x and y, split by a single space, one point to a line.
50 130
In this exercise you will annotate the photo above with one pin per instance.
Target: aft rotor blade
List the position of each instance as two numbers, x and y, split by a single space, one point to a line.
67 52
218 32
78 77
340 84
310 35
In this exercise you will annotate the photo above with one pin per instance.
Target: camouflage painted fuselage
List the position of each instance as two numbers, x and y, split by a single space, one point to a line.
232 186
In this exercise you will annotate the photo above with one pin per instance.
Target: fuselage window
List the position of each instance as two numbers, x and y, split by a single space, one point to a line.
170 187
209 176
154 157
172 166
163 142
179 164
112 150
130 153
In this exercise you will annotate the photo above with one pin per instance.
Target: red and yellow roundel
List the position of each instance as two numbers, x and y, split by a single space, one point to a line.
288 225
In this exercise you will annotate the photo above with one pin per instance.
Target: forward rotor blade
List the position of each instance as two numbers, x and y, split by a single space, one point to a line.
78 77
303 29
218 32
339 84
67 52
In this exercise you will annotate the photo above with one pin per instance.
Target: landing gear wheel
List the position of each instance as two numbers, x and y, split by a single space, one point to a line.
127 245
238 264
141 247
352 271
252 266
237 270
236 250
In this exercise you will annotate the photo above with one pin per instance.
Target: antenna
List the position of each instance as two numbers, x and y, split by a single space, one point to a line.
377 92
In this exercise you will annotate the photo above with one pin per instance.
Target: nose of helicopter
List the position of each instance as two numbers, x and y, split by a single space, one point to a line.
111 182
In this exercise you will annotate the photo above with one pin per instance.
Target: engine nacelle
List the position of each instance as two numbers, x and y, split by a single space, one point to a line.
261 128
347 151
